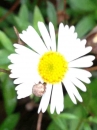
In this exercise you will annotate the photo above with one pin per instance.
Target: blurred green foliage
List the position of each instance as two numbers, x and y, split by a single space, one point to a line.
10 122
82 14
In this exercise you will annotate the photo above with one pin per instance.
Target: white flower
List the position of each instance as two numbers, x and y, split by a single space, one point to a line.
54 63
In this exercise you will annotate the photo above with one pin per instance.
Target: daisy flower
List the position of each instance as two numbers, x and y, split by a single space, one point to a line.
52 62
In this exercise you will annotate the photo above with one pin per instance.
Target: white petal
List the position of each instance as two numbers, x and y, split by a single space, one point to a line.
76 72
22 74
13 76
21 86
73 90
69 45
85 61
23 95
24 55
79 74
78 84
25 65
32 38
45 99
10 66
24 79
29 78
18 81
25 74
45 35
60 36
66 38
52 34
22 50
72 54
83 42
24 90
72 29
69 89
25 85
53 100
14 58
57 99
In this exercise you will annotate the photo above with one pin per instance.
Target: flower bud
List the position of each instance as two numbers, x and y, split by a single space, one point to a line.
39 89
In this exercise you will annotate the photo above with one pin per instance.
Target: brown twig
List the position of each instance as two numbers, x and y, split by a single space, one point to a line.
39 121
17 34
10 10
91 68
5 71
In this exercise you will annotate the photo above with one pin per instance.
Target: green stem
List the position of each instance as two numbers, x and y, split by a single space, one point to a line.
79 124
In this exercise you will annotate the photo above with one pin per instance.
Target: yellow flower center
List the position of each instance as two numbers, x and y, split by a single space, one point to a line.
52 67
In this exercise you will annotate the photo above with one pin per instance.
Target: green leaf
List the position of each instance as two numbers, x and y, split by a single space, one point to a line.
92 97
51 13
93 105
92 119
61 123
6 42
2 11
22 25
57 120
10 32
92 86
87 126
85 25
36 18
3 24
23 13
53 126
3 57
82 5
79 112
67 101
9 95
94 127
10 122
68 116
